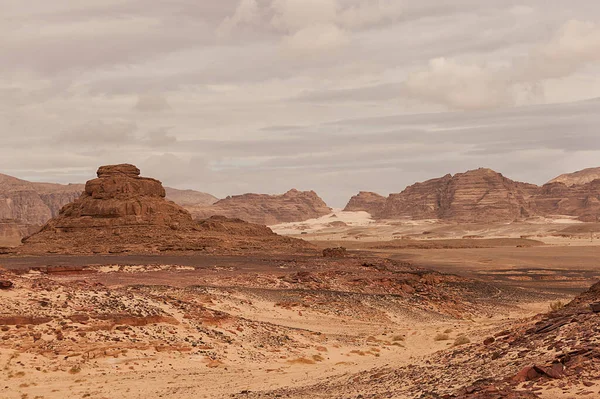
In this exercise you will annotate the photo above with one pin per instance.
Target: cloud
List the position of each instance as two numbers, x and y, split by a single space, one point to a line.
315 38
247 12
461 86
159 138
369 13
99 133
466 85
574 45
295 15
152 102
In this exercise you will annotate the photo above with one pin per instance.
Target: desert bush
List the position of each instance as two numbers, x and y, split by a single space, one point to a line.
461 340
441 337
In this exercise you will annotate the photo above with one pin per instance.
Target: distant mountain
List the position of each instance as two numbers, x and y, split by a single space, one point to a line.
189 197
482 195
293 206
580 177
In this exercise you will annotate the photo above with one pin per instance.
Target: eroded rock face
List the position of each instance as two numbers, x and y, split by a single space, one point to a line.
34 203
366 201
582 200
293 206
123 212
483 195
478 195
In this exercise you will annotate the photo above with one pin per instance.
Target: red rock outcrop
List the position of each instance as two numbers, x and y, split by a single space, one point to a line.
366 201
477 195
483 195
293 206
123 212
30 205
577 178
580 200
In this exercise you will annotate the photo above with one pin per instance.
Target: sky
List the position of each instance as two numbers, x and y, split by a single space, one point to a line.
336 96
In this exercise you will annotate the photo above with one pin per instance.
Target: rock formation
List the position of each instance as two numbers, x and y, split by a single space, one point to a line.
580 200
577 178
34 203
366 201
122 212
483 195
477 195
30 205
293 206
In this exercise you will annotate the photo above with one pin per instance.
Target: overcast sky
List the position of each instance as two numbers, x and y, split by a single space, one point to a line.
235 96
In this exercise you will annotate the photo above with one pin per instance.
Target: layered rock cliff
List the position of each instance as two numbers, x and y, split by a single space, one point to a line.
483 195
477 195
580 200
293 206
122 212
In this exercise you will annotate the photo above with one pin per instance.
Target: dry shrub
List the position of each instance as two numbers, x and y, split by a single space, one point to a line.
441 337
462 340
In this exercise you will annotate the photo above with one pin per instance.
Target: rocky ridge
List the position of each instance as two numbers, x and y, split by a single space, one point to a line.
122 212
293 206
483 195
576 178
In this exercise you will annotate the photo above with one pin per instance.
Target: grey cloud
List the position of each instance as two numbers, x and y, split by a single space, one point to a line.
98 132
152 102
233 96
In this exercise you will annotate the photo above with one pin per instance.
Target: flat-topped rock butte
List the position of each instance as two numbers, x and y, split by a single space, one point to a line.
120 211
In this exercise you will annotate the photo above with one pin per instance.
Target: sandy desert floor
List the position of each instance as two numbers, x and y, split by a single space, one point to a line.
183 326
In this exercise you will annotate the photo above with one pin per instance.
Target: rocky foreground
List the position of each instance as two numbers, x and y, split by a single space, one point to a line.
99 331
554 355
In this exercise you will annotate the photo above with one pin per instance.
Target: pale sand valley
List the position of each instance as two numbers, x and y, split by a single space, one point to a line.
465 286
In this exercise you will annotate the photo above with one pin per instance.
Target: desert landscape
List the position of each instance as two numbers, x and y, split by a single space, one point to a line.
123 294
299 199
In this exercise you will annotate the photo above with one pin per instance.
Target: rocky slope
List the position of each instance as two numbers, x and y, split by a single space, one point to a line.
545 357
477 195
580 200
123 212
34 203
366 201
483 195
293 206
577 178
